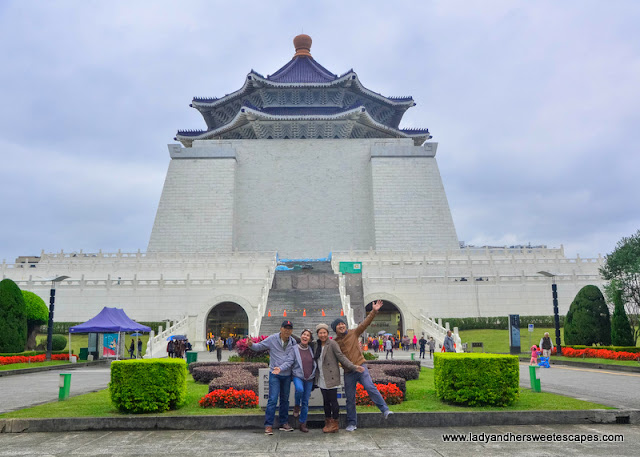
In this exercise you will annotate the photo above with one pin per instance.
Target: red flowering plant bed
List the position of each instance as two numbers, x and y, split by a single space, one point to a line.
243 349
31 359
230 398
598 353
390 392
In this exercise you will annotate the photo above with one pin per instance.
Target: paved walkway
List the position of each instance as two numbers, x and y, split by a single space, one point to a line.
362 442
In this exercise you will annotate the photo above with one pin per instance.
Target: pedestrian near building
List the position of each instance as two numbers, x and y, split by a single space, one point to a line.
388 347
219 345
348 342
280 345
423 345
415 342
546 345
448 343
140 349
432 347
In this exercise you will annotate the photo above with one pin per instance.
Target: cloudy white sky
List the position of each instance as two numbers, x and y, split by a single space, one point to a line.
535 105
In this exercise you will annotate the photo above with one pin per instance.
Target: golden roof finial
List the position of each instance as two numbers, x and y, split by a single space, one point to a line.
302 43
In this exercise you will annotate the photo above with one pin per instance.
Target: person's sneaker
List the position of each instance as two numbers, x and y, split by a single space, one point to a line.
286 428
296 411
387 413
351 428
268 430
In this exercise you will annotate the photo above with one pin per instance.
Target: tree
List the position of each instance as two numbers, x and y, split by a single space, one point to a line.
37 315
588 319
622 270
621 332
13 318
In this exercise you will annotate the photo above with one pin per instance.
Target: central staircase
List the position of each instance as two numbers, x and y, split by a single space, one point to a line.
304 293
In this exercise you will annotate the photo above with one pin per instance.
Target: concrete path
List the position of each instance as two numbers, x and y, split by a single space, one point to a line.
362 442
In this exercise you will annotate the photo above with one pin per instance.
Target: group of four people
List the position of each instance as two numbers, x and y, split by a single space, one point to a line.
307 365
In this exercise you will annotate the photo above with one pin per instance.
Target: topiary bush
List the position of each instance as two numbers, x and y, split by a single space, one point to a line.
588 320
477 379
13 318
148 386
621 332
37 315
58 342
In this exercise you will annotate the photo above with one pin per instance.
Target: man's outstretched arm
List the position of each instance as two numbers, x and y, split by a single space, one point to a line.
365 323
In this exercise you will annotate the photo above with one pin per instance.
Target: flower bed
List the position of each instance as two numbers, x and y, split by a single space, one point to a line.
31 359
390 392
599 354
243 349
230 398
224 375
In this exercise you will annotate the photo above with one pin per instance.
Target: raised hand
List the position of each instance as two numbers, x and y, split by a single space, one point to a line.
377 305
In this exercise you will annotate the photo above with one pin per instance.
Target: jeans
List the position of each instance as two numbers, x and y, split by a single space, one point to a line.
279 387
303 392
350 381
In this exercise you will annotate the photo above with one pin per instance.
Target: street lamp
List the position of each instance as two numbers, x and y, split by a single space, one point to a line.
52 299
554 291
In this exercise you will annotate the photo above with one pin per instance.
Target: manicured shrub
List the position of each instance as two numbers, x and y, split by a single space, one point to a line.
230 398
58 342
390 392
369 356
223 375
394 371
588 320
37 315
477 379
621 332
13 318
148 386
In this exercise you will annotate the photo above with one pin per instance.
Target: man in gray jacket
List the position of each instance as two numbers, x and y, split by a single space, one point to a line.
448 343
280 347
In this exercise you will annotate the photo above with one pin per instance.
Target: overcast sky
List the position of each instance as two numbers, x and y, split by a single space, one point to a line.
535 106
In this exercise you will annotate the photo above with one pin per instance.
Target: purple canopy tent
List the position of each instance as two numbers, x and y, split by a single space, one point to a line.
109 320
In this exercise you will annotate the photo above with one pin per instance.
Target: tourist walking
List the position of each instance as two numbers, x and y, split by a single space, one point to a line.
219 345
348 342
303 367
546 345
132 349
327 356
280 345
170 349
448 343
388 347
423 345
140 349
415 342
432 346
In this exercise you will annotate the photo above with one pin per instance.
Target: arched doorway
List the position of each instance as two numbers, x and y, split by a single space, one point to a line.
227 319
389 319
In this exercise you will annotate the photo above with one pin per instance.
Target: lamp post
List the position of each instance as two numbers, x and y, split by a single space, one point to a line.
554 292
52 300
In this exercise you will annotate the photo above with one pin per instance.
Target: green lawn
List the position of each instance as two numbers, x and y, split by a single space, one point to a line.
420 398
498 340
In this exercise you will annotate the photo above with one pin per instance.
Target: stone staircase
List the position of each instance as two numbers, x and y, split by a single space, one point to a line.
300 292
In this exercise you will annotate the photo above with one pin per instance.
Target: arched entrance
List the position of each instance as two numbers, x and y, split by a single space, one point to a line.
227 319
389 319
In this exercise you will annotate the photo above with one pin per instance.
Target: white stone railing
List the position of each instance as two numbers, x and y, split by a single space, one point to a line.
393 280
157 345
264 297
346 302
435 329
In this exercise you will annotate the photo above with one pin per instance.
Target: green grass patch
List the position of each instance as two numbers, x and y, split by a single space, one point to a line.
421 397
18 366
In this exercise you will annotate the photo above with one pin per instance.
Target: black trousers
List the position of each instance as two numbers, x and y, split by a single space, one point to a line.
331 408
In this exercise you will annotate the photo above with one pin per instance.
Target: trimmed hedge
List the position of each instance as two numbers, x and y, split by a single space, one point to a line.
477 379
223 375
148 385
13 317
499 322
396 372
